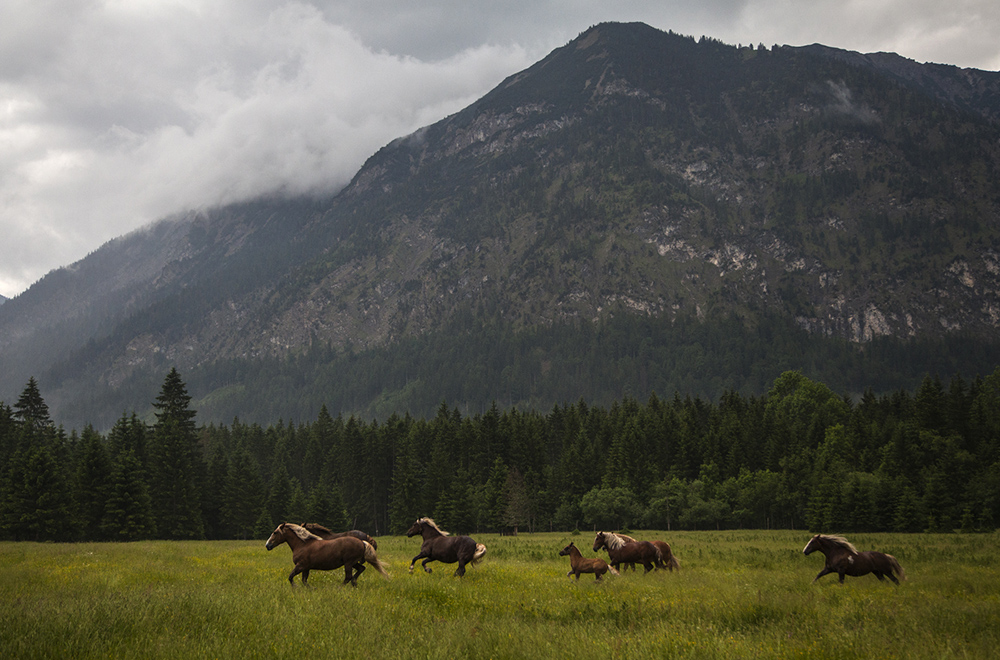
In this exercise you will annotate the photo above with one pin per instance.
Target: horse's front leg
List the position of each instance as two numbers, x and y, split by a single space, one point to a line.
305 578
291 576
460 571
415 561
826 570
424 565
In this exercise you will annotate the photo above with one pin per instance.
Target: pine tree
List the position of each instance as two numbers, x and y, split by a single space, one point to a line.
128 513
31 410
93 479
242 496
176 465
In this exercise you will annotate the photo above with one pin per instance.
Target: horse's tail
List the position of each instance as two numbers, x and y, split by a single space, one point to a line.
673 562
478 554
373 559
613 570
896 567
659 557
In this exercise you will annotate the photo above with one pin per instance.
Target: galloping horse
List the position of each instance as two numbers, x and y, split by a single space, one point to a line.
629 552
844 559
440 546
578 564
670 561
311 552
325 533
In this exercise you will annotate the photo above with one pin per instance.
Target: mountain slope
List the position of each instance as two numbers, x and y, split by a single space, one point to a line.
631 174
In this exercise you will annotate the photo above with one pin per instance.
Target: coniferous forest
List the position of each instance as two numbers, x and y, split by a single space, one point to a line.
801 456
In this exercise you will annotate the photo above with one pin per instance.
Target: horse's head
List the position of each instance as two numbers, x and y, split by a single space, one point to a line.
599 541
277 537
813 545
416 528
565 551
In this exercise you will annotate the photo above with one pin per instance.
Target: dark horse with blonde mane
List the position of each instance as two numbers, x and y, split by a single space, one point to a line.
670 560
629 552
311 552
579 564
440 546
842 558
327 534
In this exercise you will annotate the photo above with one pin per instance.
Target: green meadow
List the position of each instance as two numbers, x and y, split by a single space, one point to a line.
739 594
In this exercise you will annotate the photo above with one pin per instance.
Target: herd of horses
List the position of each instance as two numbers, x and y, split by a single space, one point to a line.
315 547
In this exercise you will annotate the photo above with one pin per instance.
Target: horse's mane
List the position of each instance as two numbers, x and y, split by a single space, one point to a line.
430 521
317 528
840 541
302 532
614 541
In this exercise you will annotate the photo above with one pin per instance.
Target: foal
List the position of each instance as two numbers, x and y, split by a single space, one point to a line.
578 564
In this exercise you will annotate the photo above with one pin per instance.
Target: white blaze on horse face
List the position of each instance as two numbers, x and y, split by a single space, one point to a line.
805 550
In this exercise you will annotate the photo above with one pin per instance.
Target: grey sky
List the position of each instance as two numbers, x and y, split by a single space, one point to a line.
115 113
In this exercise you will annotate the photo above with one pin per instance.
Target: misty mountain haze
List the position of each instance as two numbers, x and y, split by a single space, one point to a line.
639 211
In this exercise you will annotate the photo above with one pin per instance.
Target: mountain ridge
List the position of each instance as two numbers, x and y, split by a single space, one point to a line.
630 172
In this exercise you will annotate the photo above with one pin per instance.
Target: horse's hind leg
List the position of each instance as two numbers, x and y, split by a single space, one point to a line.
460 571
305 578
892 577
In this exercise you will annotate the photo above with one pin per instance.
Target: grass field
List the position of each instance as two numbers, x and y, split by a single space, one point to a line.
739 594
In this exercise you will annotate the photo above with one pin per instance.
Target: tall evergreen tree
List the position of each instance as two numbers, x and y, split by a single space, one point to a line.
128 512
93 478
31 410
176 465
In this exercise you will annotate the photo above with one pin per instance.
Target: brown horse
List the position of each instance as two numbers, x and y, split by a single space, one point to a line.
578 564
327 534
629 552
844 559
440 546
670 561
311 552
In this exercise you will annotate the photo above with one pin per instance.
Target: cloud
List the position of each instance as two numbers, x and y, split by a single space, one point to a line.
114 113
145 113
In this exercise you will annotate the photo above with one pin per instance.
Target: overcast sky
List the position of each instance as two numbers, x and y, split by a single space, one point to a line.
116 113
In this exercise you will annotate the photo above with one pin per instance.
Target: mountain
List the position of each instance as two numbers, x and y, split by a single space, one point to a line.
638 211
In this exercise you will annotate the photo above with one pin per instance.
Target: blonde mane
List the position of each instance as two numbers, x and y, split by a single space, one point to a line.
841 541
302 532
614 541
430 521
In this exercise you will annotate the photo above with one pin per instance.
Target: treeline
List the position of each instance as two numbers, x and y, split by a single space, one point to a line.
799 457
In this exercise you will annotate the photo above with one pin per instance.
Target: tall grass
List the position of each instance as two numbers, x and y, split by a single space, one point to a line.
738 594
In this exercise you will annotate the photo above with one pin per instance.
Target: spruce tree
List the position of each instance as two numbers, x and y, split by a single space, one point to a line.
93 478
128 512
176 464
31 410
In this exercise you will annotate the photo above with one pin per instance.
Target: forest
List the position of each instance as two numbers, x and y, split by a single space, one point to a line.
799 457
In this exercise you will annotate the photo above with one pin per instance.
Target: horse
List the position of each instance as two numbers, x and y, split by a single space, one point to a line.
440 546
844 559
578 564
327 534
670 561
311 552
629 552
